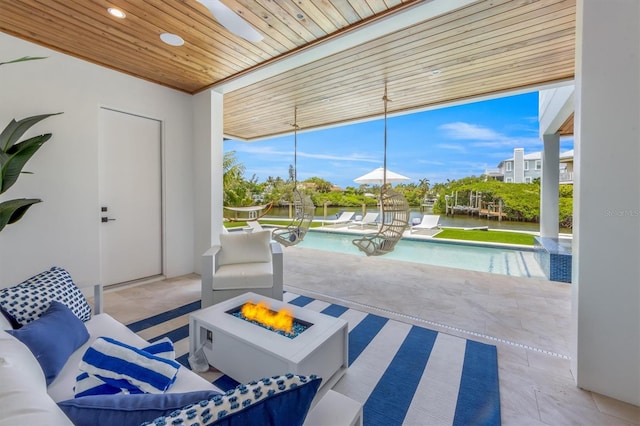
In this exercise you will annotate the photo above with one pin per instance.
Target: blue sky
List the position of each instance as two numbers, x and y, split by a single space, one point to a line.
448 143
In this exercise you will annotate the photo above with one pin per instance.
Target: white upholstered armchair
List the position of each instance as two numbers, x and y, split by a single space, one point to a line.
242 262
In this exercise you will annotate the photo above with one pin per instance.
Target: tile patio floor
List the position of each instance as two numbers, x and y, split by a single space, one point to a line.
527 319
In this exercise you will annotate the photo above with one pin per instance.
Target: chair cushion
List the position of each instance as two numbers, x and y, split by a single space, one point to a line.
243 276
23 393
104 325
241 247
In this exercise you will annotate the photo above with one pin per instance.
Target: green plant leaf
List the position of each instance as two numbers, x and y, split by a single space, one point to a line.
11 211
15 129
13 161
23 59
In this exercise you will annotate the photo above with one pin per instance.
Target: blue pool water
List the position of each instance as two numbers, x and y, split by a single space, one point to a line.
520 263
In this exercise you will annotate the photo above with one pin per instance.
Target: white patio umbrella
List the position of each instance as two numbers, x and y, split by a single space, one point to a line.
377 177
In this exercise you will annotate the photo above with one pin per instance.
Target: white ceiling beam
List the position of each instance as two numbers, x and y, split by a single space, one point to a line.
555 107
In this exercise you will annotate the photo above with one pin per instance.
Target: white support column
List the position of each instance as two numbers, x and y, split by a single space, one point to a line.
208 137
550 187
217 170
606 245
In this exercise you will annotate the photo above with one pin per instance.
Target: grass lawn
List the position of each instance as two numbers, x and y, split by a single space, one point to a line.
504 237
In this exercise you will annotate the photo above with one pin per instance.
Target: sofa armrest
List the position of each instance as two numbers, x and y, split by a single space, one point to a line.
335 409
97 296
278 269
211 256
209 265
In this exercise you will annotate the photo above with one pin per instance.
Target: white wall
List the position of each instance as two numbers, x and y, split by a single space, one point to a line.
606 245
64 229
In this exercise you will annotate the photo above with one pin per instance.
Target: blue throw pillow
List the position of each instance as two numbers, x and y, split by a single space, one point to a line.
123 410
53 337
279 401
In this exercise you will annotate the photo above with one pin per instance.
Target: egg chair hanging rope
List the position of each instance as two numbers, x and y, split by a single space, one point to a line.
304 208
394 212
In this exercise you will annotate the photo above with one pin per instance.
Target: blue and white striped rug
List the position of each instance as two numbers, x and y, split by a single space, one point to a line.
402 373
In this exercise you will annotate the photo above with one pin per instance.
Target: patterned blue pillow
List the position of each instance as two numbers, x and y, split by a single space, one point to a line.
28 300
279 400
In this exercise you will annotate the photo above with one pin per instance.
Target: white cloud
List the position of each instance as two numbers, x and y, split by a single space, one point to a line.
466 131
485 137
431 162
259 149
265 150
451 147
348 157
515 142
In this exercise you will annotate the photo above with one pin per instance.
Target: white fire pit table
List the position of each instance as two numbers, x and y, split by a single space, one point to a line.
246 351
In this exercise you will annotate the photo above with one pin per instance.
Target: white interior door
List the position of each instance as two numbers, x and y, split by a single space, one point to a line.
130 197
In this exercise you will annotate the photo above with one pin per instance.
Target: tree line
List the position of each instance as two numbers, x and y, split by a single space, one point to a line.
520 201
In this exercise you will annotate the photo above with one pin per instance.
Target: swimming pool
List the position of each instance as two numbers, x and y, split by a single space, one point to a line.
497 260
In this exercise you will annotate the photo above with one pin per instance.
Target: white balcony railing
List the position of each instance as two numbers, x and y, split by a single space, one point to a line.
566 177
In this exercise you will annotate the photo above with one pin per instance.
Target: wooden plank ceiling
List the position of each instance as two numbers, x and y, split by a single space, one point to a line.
480 49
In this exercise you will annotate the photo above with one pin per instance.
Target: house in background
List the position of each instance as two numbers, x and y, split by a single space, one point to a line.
524 168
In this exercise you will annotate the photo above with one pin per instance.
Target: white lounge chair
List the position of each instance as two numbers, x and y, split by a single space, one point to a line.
253 226
368 219
344 218
429 221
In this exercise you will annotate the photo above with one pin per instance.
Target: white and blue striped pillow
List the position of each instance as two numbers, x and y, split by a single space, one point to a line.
88 384
126 367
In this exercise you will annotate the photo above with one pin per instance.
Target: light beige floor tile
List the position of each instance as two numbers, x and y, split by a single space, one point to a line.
510 312
517 395
623 410
555 411
517 419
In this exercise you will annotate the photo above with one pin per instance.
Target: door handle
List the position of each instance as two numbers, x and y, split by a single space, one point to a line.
106 219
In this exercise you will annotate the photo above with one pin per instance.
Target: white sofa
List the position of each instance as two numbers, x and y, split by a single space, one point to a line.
25 398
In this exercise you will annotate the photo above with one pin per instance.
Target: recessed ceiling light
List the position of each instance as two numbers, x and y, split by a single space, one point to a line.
116 12
172 39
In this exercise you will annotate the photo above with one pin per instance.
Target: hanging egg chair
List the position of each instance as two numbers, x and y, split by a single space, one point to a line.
304 208
394 212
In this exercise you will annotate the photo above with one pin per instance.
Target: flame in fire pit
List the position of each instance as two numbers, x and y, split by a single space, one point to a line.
260 312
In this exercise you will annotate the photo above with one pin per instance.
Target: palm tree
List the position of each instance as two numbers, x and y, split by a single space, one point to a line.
423 184
233 182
